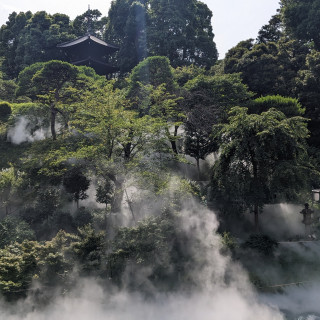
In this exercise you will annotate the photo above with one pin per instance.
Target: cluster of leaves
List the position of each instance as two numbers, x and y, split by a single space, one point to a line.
49 263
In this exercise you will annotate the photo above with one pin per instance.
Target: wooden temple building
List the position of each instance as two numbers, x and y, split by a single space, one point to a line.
90 51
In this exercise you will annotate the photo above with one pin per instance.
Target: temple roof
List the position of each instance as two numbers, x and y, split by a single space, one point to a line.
90 51
87 38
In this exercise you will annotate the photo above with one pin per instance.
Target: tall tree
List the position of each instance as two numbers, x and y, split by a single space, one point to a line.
181 31
309 94
301 19
207 101
90 21
128 33
268 68
260 156
272 31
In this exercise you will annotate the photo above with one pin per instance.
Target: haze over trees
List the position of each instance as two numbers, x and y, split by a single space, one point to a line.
96 171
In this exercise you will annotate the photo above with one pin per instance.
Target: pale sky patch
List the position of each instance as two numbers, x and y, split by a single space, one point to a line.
233 20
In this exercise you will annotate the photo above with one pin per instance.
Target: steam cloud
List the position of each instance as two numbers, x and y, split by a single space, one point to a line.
224 291
22 132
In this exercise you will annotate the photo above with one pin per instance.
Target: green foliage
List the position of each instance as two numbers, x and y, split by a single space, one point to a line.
154 71
12 229
185 73
25 84
28 38
105 192
5 111
261 243
127 27
89 250
153 28
309 81
217 93
11 181
17 267
260 156
301 19
272 31
268 68
290 107
208 100
90 21
76 183
228 241
149 243
7 90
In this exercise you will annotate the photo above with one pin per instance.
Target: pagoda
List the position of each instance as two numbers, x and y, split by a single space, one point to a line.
90 51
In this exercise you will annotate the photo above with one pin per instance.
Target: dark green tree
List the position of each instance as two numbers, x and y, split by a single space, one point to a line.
12 229
180 31
76 183
90 21
208 100
309 94
10 34
268 68
272 31
301 19
261 156
129 33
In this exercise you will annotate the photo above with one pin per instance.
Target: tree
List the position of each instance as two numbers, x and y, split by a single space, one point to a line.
5 111
180 31
27 38
11 180
50 80
261 156
129 33
9 40
309 94
208 100
268 68
256 63
12 230
90 21
153 91
272 31
301 19
105 191
76 183
197 141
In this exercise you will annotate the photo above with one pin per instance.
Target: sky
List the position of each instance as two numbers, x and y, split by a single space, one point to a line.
233 20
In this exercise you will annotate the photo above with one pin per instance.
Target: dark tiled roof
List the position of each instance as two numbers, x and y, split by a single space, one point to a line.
86 38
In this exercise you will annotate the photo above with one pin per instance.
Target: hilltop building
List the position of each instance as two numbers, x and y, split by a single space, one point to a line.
90 51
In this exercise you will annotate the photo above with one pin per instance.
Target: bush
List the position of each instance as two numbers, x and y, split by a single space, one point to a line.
262 243
5 111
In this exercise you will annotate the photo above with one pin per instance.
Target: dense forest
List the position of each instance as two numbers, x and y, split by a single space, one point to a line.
97 173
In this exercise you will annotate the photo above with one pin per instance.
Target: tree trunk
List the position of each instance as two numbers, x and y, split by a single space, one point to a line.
127 151
53 122
173 140
198 168
118 195
256 218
